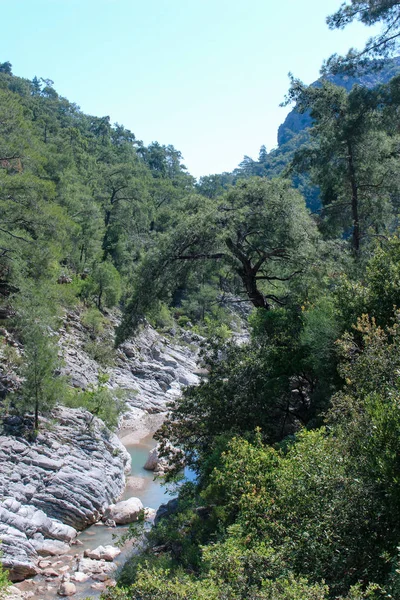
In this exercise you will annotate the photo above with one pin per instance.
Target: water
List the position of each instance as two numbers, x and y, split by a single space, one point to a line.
143 484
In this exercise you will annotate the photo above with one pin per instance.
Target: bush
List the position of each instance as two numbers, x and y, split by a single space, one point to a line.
101 352
99 400
160 317
183 320
4 582
94 321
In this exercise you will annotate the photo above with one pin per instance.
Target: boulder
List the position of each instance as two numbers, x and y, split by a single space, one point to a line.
110 523
152 460
79 577
64 569
67 588
100 576
50 572
125 512
99 586
103 553
90 566
160 464
50 547
165 510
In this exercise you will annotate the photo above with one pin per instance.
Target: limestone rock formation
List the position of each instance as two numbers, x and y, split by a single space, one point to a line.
55 486
74 470
151 368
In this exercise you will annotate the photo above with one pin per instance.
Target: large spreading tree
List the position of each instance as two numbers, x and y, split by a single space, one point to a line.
260 233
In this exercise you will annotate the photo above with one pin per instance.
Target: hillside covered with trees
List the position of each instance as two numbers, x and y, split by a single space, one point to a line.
294 435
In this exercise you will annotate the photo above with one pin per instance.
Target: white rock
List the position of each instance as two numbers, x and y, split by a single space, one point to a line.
149 514
125 512
160 464
64 569
55 485
79 577
152 460
90 566
103 553
13 593
50 547
98 586
67 588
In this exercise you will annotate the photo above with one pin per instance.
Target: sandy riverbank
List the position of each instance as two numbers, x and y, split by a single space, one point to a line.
138 424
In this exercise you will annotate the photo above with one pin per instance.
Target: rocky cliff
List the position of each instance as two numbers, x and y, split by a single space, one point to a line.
56 485
151 369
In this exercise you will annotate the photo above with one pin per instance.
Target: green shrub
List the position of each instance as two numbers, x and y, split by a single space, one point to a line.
100 401
94 321
101 351
183 320
4 581
160 317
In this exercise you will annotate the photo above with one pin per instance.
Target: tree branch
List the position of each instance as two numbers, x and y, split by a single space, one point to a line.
17 237
199 256
275 278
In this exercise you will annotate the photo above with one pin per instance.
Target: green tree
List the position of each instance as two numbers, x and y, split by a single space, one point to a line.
6 67
212 186
352 159
260 232
104 285
376 294
100 401
41 386
385 12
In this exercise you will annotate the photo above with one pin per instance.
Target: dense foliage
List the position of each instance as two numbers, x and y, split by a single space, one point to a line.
280 510
81 204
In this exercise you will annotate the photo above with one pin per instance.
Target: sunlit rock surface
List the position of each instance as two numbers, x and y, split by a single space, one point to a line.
56 485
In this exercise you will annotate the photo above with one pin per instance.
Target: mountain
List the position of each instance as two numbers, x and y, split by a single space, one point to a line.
296 122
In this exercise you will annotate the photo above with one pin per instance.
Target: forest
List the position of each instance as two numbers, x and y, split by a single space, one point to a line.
294 435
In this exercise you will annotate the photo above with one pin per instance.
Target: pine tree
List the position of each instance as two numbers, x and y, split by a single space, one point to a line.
41 387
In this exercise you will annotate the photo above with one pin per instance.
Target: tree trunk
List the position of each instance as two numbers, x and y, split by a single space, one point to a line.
255 296
36 414
354 201
99 298
247 274
107 217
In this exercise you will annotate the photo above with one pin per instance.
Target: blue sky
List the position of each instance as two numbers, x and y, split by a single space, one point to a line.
204 75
